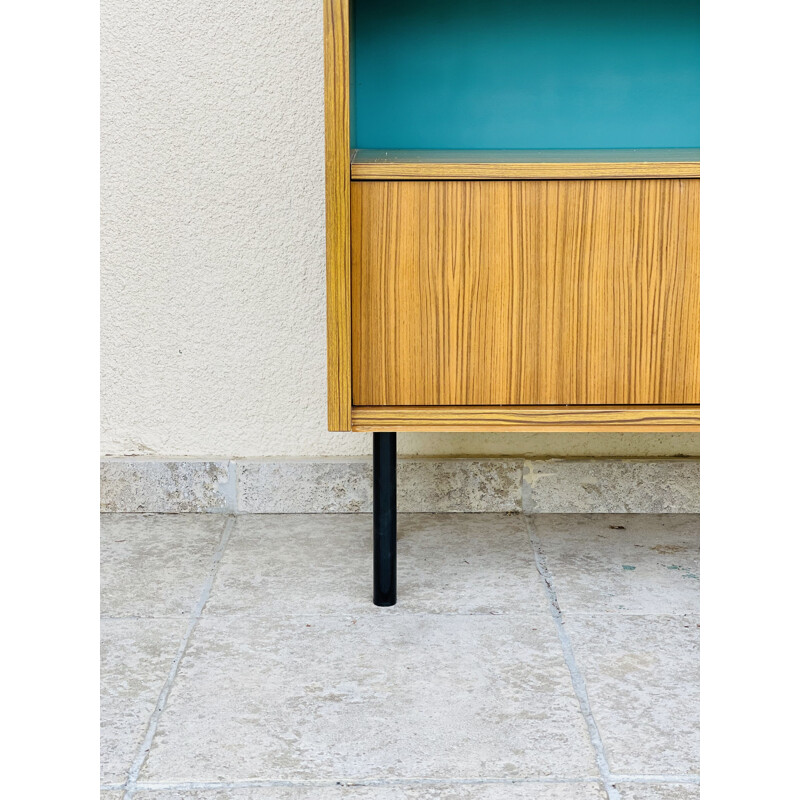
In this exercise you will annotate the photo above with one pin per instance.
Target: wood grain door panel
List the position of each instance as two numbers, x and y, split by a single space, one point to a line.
525 292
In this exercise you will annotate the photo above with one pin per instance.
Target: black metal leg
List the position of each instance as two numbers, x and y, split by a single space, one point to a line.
384 519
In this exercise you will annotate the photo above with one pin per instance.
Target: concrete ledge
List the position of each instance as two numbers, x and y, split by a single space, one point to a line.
457 484
284 487
133 484
612 486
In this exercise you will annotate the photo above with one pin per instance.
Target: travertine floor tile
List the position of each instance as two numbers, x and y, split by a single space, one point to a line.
155 565
436 791
625 563
642 677
292 674
322 563
135 659
342 698
662 791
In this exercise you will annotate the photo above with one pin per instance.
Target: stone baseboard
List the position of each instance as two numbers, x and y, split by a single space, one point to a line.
458 484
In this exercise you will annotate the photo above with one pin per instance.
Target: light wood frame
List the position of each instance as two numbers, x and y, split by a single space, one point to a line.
564 419
431 165
343 165
337 210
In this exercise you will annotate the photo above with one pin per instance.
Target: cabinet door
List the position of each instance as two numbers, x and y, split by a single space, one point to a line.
525 292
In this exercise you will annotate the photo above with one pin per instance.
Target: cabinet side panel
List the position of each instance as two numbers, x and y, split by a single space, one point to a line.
526 292
337 210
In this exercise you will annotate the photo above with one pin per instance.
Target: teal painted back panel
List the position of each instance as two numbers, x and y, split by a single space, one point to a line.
526 73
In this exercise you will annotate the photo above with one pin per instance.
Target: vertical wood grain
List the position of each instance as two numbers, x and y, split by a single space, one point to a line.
337 210
526 292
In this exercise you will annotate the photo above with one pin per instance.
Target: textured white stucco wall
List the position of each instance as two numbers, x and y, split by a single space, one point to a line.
213 250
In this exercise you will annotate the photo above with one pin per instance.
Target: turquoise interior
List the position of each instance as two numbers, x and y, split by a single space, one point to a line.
526 73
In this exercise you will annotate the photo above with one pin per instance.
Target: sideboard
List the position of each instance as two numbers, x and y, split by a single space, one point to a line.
512 216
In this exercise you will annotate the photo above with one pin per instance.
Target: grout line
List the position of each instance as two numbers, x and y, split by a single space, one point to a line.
525 490
140 617
153 786
578 682
672 613
657 779
236 488
365 613
232 489
144 750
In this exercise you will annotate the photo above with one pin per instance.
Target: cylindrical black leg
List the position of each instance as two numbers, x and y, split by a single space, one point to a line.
384 519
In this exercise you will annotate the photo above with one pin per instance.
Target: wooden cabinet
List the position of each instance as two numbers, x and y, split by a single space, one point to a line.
512 197
500 288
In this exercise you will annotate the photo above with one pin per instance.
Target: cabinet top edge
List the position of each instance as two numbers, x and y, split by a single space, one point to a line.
664 155
524 164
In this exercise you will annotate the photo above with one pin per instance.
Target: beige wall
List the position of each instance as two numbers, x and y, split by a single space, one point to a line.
213 284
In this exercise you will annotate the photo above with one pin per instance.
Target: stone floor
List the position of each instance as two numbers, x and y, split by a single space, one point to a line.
552 657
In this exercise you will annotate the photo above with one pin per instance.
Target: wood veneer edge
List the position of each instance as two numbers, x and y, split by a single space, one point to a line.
511 171
565 419
337 211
